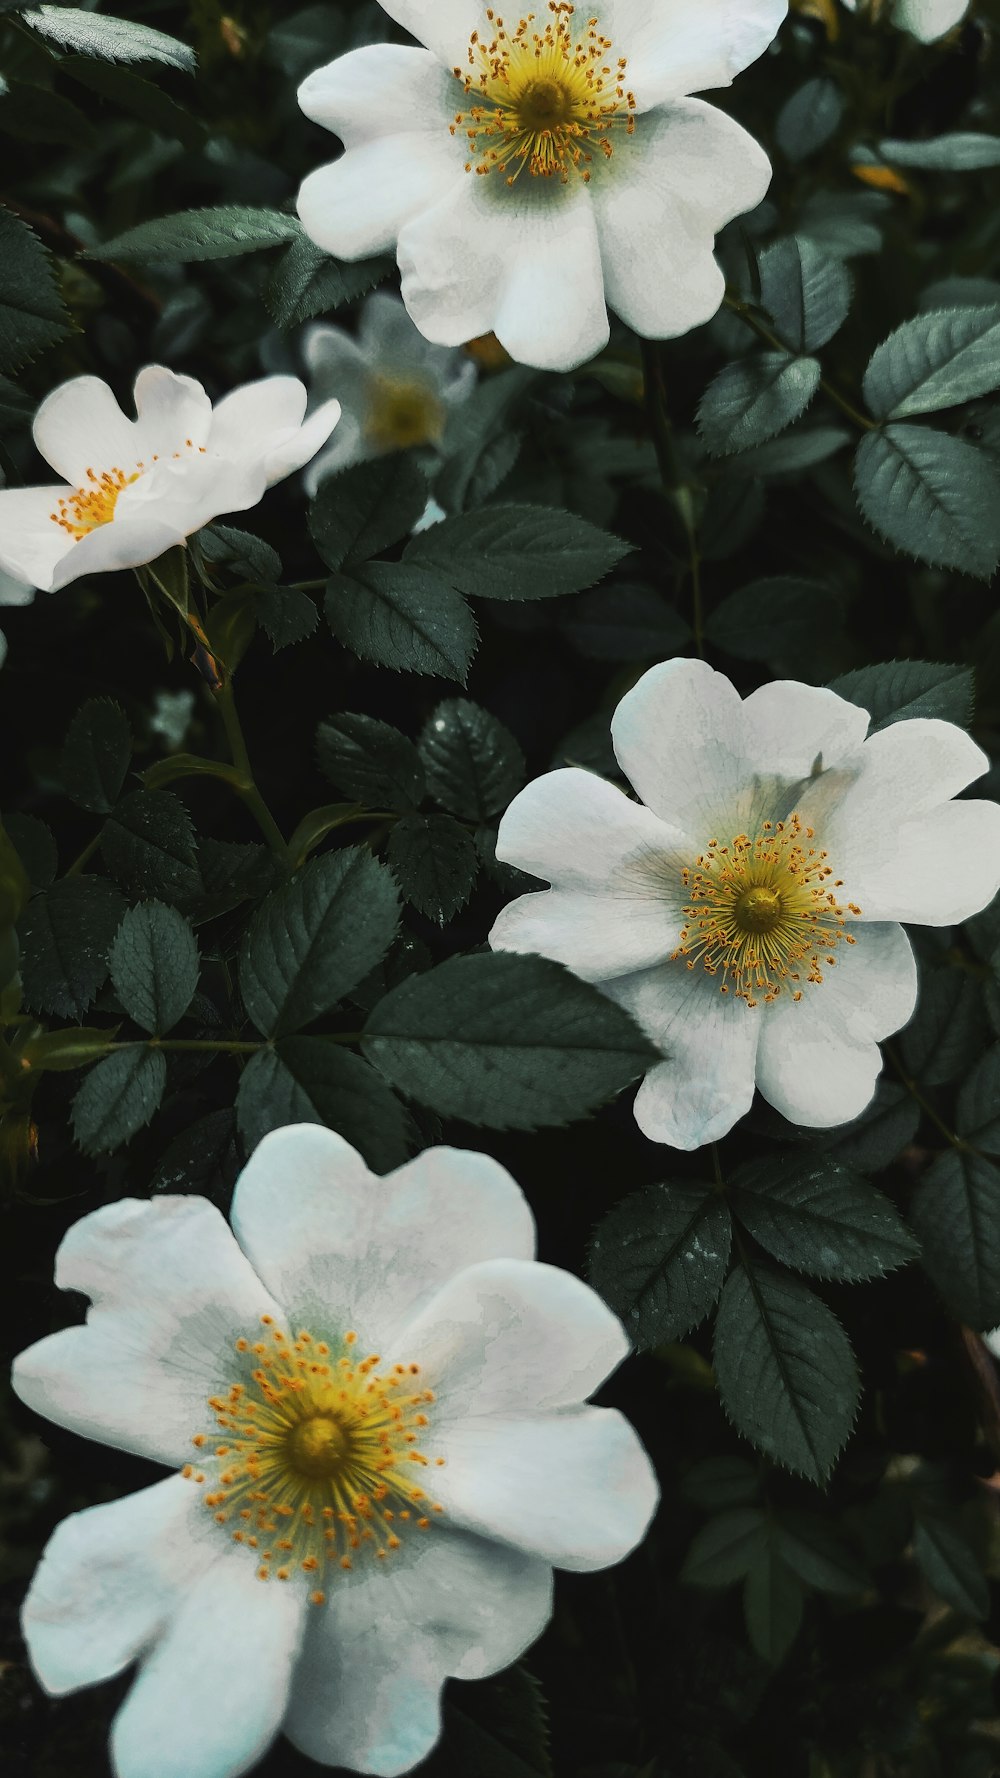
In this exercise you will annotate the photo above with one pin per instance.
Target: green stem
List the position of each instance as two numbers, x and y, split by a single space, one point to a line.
673 476
83 859
746 315
247 788
309 586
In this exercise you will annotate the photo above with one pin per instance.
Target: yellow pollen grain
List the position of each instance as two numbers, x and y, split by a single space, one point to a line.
316 1440
546 98
762 913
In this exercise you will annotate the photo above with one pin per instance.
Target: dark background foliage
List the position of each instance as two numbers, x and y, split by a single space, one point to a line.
817 1597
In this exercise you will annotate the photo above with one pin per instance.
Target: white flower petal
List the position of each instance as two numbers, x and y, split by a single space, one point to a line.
110 1578
31 543
359 204
687 46
210 1698
14 592
172 410
346 447
329 1237
301 445
576 1489
813 1074
445 26
929 19
356 95
80 426
710 1040
125 543
577 831
680 737
171 1290
660 202
794 730
511 1335
252 419
523 264
367 1687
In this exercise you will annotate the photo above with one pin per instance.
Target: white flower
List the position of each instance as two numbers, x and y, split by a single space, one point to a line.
377 1400
134 488
395 388
529 169
748 914
12 592
925 19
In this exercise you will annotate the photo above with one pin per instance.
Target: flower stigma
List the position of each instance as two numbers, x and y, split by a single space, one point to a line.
402 411
318 1456
89 507
546 100
762 912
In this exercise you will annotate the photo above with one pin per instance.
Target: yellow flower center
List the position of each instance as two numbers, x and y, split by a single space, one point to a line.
402 412
318 1456
89 507
543 99
762 912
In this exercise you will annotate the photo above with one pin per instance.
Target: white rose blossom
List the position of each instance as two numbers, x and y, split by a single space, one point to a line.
395 388
531 169
132 489
926 20
376 1400
746 911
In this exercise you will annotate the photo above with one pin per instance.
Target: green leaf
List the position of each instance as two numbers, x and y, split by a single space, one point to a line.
222 232
933 496
287 615
366 508
626 623
896 691
978 1117
205 1158
118 1097
725 1550
844 223
308 1080
770 619
785 1370
517 552
937 360
473 764
962 151
814 1550
801 448
32 312
817 1216
496 1730
314 939
245 555
772 1605
155 966
307 282
149 847
116 40
96 755
659 1259
510 1041
717 1483
951 1566
873 1140
809 118
66 934
61 1052
755 397
806 292
371 761
435 863
400 616
35 114
36 847
947 1032
139 97
956 1215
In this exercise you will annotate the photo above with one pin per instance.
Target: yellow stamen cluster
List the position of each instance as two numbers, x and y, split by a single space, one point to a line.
315 1459
89 507
543 99
763 914
402 412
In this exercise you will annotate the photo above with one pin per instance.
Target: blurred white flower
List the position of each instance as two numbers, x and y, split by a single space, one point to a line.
396 390
533 170
925 19
377 1399
747 916
134 488
12 592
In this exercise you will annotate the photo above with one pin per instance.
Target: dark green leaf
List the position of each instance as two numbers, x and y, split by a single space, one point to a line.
659 1259
307 282
814 1550
371 761
66 935
245 555
314 939
883 1130
937 360
755 397
139 97
978 1118
35 846
786 1372
770 619
844 223
772 1605
517 552
946 1033
287 615
360 512
312 1081
721 1482
956 1215
626 623
96 755
206 1158
951 1566
509 1041
35 114
223 232
435 863
117 40
399 616
725 1549
896 691
933 496
809 118
806 292
32 313
963 151
473 764
118 1097
155 966
496 1730
149 846
817 1216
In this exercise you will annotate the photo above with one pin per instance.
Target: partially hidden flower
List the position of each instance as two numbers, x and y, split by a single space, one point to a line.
926 20
396 389
375 1400
747 911
132 489
12 592
533 169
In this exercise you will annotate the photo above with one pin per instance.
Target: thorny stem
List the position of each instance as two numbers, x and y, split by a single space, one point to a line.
764 333
674 478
